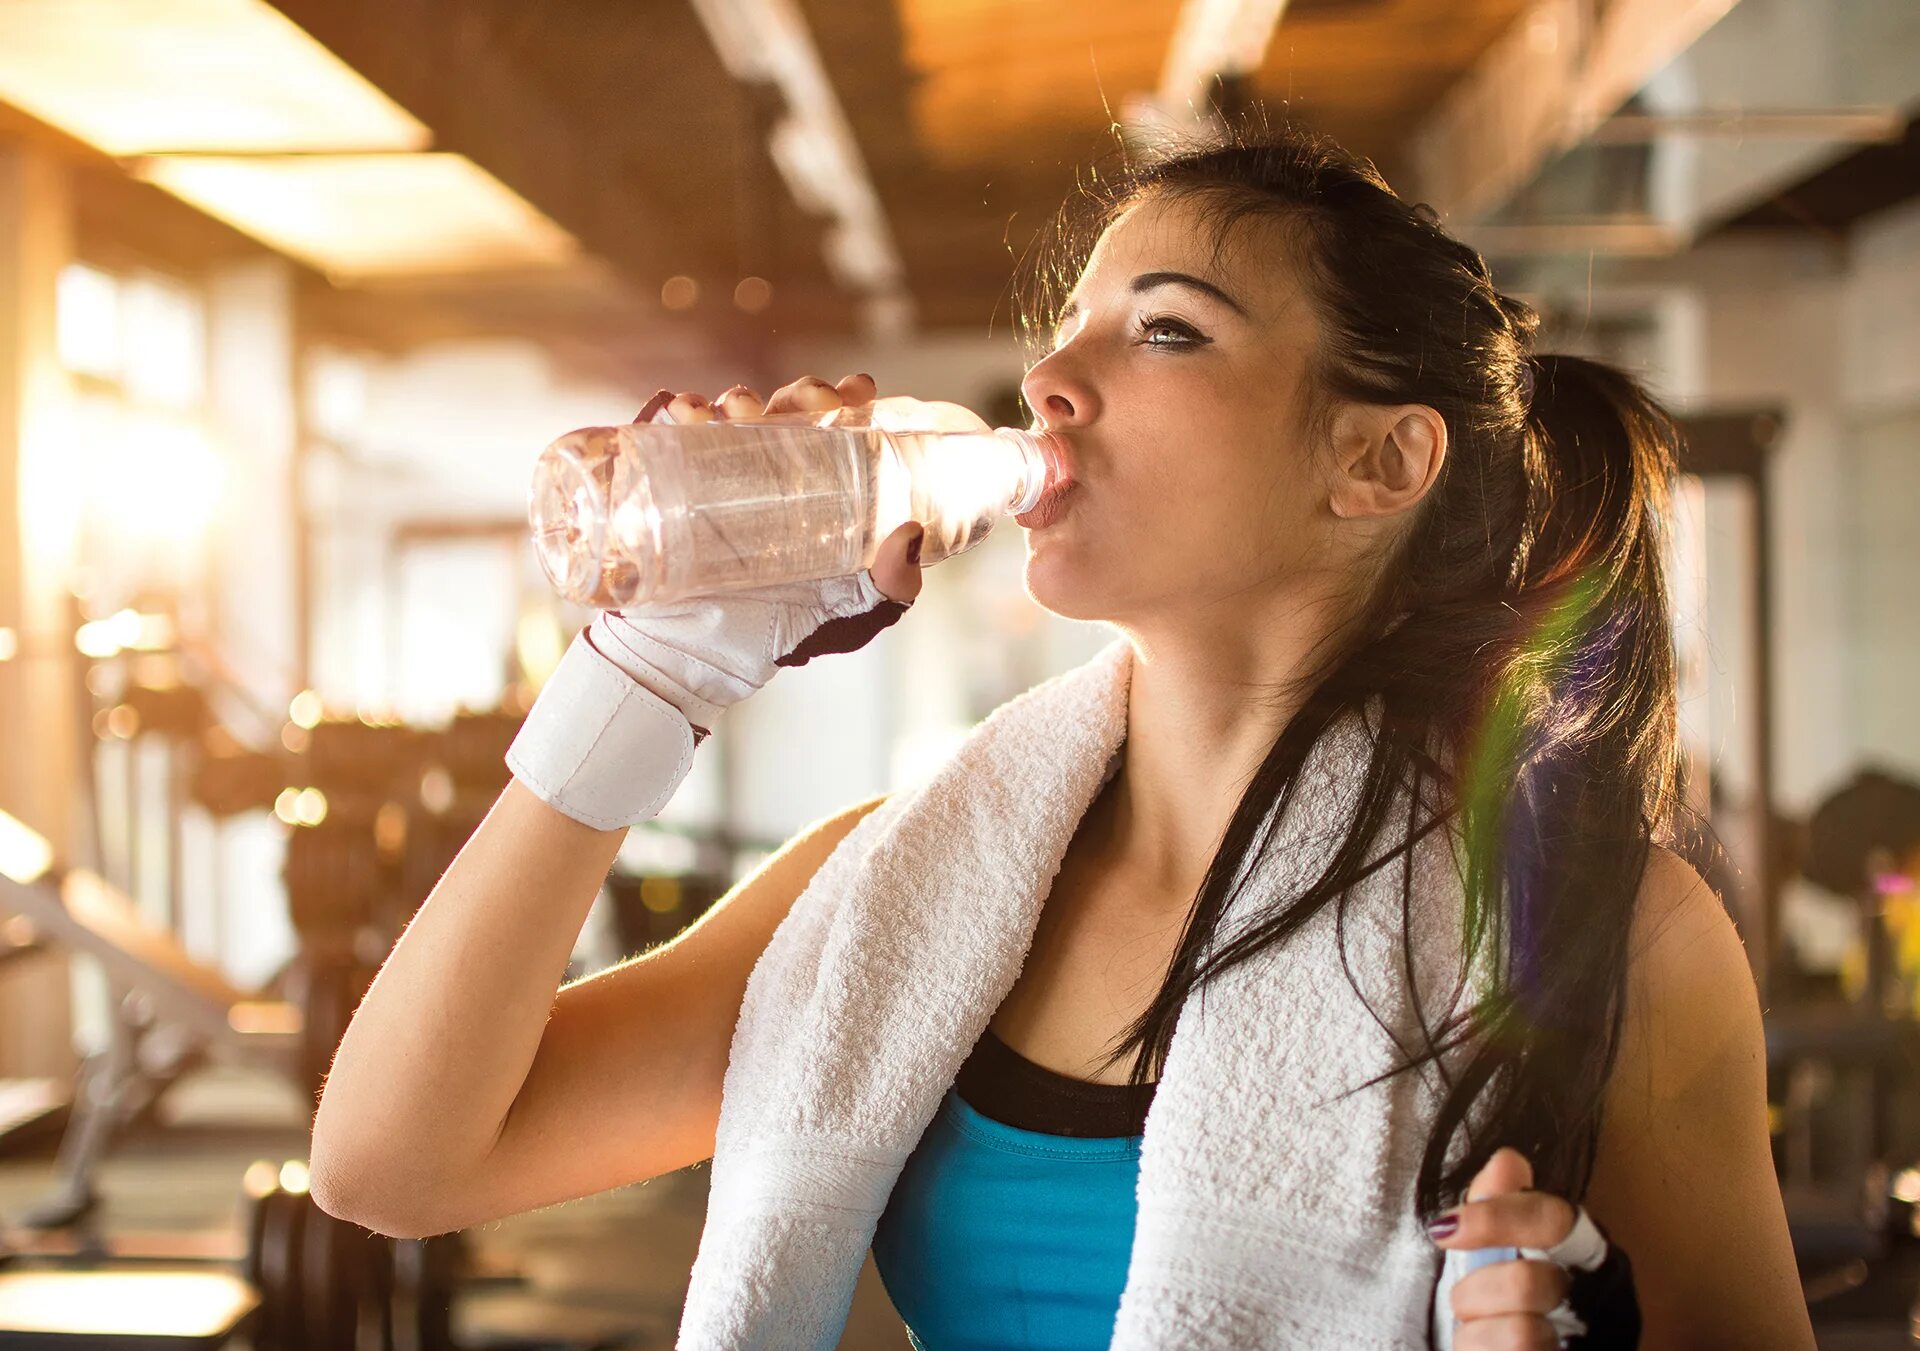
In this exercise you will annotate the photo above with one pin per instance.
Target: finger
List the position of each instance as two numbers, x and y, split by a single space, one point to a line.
857 389
654 405
1517 1220
1510 1287
1507 1332
808 394
1507 1171
740 404
690 407
896 567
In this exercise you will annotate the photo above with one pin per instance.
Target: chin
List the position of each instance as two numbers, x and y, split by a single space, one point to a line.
1057 585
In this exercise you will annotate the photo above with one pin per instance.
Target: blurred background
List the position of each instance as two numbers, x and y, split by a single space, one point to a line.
292 294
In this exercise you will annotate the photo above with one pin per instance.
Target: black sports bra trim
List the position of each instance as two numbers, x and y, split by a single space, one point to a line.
1000 1083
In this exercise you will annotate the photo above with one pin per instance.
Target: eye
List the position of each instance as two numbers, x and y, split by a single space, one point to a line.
1185 335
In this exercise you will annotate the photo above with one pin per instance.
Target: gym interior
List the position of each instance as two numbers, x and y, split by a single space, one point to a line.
292 295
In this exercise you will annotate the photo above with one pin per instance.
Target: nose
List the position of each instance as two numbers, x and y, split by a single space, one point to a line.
1058 394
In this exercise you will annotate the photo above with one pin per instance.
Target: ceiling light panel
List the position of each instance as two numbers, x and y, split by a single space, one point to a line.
369 216
134 76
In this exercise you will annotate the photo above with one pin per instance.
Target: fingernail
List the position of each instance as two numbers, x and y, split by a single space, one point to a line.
913 549
1443 1226
868 378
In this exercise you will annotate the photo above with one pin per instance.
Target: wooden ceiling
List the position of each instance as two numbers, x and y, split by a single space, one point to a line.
975 118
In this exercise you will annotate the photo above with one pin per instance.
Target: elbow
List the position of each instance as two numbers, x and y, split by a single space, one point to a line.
365 1202
348 1193
370 1172
351 1184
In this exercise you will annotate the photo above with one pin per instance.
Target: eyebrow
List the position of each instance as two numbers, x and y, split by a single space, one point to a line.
1147 281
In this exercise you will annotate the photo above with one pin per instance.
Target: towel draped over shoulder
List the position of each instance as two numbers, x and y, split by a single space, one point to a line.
1276 1204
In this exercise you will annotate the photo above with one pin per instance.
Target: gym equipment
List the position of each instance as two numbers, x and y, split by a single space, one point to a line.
171 1012
327 1285
30 1106
333 1286
393 823
326 985
1840 1076
305 1282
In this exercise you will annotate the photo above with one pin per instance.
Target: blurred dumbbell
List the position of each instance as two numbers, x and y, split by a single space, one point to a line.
327 1285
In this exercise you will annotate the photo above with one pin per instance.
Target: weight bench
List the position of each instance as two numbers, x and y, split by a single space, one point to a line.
169 1009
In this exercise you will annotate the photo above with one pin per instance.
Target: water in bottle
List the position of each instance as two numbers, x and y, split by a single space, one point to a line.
654 512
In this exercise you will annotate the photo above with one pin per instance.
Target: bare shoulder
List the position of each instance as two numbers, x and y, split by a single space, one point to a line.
1691 1002
1676 906
1683 1175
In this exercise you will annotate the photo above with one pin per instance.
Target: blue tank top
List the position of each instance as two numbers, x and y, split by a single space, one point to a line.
1015 1233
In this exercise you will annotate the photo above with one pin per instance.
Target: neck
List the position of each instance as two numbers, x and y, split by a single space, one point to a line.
1204 706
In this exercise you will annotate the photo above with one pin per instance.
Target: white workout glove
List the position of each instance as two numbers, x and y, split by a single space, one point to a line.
611 736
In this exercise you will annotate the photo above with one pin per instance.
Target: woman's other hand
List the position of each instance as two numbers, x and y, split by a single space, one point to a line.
1505 1304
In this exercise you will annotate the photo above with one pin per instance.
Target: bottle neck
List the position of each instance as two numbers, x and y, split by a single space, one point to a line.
1035 462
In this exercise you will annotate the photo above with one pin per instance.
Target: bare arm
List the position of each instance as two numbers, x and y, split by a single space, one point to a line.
466 1088
441 1044
1684 1177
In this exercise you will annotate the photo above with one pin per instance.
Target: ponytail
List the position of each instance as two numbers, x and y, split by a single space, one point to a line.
1571 777
1601 459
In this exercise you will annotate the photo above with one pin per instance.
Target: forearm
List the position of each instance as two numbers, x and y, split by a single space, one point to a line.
443 1041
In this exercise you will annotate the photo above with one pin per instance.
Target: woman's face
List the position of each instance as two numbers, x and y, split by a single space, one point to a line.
1184 414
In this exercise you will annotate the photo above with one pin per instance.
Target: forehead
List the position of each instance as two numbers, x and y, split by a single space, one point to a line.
1249 261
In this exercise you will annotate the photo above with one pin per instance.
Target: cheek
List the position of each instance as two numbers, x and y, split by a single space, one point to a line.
1203 493
1261 495
1189 525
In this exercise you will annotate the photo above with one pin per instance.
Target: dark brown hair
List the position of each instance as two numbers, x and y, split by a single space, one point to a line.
1514 658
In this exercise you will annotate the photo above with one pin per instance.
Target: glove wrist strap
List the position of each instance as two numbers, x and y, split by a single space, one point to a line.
599 747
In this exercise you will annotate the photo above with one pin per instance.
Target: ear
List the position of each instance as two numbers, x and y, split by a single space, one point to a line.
1385 458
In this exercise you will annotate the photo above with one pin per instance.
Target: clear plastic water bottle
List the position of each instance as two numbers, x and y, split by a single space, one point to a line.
654 512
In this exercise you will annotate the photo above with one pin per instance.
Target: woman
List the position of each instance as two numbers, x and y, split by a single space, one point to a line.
1316 473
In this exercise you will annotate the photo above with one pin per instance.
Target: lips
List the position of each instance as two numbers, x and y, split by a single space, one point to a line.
1059 462
1053 501
1060 484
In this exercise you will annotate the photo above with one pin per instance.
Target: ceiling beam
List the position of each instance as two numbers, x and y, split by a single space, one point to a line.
1852 126
1213 40
1547 84
767 43
1623 238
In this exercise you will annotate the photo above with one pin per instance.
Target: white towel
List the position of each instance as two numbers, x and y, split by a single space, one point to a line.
1273 1210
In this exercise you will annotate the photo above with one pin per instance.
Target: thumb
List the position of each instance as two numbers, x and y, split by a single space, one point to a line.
1507 1171
896 566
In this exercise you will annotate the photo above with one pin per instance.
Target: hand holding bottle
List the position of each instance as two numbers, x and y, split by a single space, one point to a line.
612 735
705 653
700 498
